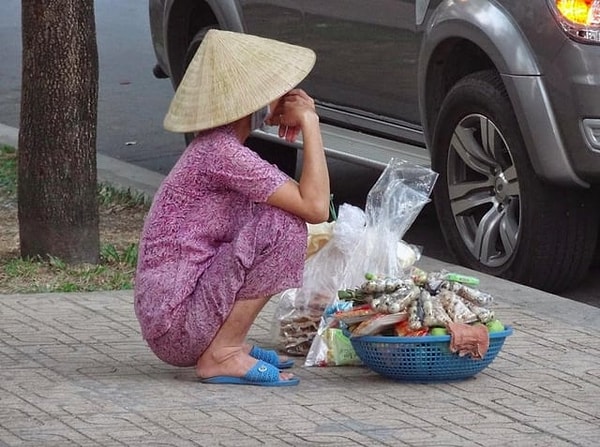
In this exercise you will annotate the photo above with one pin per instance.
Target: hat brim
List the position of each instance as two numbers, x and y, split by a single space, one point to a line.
231 76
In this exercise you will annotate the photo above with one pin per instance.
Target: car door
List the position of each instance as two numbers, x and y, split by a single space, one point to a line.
279 19
366 61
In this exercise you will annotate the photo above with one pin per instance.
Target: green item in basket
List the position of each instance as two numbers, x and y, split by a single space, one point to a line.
463 279
495 326
340 351
436 331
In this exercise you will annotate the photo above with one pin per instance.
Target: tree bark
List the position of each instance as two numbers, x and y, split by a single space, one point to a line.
57 177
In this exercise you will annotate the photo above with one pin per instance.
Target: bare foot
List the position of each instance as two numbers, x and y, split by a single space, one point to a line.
232 362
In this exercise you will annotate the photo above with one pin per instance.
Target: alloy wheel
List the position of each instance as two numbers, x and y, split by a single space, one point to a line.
484 190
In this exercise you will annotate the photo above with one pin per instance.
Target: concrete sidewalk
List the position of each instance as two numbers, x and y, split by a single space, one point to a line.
74 370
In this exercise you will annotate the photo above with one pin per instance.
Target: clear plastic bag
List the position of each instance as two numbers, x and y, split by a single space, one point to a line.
362 241
393 204
318 236
299 312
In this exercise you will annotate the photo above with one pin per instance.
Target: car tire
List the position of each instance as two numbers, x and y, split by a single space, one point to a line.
496 215
284 157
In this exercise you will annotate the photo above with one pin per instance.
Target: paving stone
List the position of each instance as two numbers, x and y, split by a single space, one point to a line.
74 370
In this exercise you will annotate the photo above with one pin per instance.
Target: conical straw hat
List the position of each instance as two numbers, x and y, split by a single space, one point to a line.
233 75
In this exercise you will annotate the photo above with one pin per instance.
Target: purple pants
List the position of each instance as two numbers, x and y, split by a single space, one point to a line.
266 257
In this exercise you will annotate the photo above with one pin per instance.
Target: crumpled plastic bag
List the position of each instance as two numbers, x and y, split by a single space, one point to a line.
318 236
299 311
332 348
361 242
393 204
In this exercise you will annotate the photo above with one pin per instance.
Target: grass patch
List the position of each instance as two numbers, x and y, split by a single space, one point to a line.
38 275
110 196
122 213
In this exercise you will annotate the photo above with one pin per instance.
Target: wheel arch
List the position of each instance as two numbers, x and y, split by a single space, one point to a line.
184 18
553 229
463 37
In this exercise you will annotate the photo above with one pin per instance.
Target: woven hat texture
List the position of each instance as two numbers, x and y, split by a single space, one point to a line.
233 75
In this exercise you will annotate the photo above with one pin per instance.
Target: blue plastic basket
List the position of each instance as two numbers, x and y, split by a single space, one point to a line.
423 359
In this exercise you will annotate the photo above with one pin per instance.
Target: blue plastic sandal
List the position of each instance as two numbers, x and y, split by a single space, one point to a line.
271 357
261 374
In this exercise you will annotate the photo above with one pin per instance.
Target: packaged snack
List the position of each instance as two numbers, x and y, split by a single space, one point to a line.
355 315
457 310
470 294
402 329
378 323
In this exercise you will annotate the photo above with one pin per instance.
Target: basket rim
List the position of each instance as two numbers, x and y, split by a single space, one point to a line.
508 330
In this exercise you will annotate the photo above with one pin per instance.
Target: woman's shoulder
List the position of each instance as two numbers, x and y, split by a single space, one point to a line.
212 138
222 144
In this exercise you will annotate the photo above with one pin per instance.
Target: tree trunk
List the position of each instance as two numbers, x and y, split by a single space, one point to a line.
57 183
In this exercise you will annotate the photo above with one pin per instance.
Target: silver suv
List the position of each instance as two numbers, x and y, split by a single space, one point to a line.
500 97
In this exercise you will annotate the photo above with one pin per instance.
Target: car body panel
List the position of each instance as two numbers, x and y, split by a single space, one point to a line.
375 60
368 56
501 39
462 86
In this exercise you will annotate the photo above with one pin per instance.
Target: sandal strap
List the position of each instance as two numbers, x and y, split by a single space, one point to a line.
262 372
266 355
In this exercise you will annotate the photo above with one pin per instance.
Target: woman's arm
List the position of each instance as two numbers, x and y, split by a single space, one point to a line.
308 198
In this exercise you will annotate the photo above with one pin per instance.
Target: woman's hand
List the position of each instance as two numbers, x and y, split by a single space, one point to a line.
309 197
292 113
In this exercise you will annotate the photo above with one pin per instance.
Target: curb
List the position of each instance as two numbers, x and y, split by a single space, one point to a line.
110 170
9 135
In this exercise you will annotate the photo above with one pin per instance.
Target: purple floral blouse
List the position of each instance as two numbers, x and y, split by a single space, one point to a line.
205 199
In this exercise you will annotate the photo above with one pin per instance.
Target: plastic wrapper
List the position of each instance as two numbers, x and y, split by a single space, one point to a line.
427 306
457 310
355 315
440 317
435 281
300 311
483 314
399 300
333 347
296 327
392 205
403 329
407 254
475 296
378 323
414 320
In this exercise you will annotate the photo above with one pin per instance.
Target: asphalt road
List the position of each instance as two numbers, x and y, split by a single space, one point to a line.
132 104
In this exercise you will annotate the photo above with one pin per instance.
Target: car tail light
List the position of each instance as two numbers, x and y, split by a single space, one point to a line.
579 18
